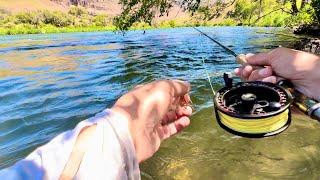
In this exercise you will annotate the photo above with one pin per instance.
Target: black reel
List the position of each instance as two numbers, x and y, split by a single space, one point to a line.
253 109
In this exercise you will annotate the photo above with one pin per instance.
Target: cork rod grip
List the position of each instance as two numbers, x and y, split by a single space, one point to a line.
241 59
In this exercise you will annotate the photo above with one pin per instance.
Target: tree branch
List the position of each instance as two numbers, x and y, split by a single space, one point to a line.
265 15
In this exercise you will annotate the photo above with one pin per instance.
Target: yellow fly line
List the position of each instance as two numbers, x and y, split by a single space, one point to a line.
255 126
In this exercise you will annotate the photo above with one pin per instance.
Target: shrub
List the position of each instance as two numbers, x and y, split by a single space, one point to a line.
34 18
84 22
140 25
229 22
101 20
78 11
57 18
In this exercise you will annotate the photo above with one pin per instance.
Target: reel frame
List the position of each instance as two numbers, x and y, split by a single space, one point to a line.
224 112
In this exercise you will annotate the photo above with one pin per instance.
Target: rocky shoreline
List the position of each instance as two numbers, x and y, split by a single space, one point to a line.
310 44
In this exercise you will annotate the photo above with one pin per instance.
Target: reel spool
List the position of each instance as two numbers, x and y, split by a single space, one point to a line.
253 109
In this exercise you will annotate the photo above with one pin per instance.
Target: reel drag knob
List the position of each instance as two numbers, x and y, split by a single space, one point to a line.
274 106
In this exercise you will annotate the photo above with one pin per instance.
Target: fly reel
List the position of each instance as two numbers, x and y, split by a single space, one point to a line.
253 109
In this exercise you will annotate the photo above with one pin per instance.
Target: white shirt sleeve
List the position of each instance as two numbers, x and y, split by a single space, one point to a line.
111 153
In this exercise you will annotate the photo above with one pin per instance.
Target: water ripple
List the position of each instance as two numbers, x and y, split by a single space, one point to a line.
49 83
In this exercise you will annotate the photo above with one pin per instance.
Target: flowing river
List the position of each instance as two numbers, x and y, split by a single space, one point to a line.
49 83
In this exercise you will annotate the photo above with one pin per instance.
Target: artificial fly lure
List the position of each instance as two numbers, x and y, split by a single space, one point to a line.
257 109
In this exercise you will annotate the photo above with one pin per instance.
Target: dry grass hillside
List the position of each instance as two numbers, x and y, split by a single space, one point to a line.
110 7
30 5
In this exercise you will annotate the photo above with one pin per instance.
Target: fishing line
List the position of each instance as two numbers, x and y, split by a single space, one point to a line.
207 72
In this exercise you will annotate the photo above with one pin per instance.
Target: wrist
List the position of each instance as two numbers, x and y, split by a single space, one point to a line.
124 114
316 69
314 77
141 134
119 140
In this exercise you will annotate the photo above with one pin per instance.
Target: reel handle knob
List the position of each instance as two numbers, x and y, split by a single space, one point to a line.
248 101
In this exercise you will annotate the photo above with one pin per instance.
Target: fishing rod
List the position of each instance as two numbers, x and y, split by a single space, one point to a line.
240 59
258 109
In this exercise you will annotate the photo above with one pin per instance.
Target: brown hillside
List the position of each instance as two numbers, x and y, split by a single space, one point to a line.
110 7
30 5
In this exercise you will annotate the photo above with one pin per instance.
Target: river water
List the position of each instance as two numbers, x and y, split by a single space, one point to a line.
49 83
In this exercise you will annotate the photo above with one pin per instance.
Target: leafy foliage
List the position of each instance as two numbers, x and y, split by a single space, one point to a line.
139 14
316 6
146 10
245 12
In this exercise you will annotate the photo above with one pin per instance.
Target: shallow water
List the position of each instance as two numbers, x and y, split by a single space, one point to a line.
49 83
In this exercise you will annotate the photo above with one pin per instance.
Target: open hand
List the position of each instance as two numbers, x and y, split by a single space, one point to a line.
155 112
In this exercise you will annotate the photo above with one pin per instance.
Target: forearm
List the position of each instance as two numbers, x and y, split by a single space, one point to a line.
317 70
101 144
82 143
317 78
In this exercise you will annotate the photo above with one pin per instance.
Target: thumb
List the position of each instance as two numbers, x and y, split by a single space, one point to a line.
261 59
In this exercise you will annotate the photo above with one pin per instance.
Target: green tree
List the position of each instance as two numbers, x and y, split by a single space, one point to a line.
250 12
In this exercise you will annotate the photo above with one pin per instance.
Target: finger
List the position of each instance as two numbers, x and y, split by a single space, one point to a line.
181 101
138 86
169 117
249 55
175 103
247 70
184 111
186 99
238 71
271 79
180 88
260 73
172 116
174 127
176 88
261 59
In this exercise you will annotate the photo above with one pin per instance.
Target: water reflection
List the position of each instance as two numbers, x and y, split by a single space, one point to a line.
48 83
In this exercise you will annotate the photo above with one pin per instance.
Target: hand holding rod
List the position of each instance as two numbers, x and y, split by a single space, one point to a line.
308 106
